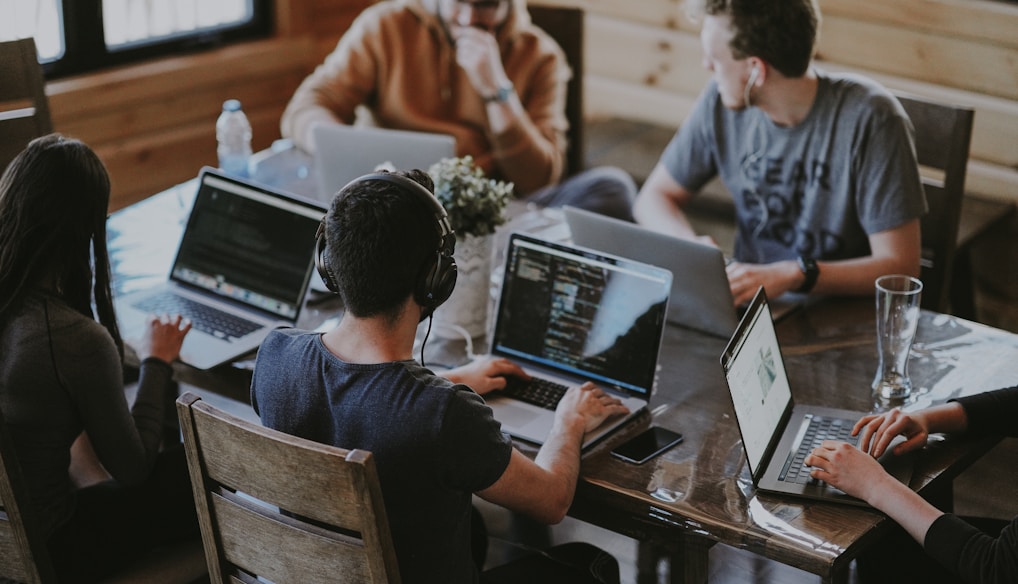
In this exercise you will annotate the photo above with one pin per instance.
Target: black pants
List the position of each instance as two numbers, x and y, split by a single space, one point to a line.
113 524
569 563
605 189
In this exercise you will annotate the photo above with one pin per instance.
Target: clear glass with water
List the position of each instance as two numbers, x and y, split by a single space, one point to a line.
897 302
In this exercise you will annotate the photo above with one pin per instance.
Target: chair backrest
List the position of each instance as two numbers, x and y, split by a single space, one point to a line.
943 134
23 553
280 507
24 109
565 25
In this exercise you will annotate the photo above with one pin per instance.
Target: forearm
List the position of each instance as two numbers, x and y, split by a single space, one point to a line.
946 418
329 95
560 458
523 154
857 276
657 212
903 505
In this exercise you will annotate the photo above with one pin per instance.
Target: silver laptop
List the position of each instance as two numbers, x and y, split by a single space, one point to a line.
343 153
778 434
701 298
242 268
569 315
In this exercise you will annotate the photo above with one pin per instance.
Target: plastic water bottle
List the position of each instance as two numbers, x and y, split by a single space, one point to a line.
233 132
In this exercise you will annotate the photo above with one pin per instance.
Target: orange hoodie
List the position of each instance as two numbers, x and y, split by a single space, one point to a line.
398 61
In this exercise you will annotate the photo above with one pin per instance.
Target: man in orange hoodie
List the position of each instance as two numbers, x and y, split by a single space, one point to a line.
475 69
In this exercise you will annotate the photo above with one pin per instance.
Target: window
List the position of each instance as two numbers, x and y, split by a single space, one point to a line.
73 36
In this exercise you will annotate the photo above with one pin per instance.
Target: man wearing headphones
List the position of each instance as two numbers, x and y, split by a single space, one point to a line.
386 247
822 167
476 69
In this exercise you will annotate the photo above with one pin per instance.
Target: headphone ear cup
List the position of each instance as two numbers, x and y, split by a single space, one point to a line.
436 284
322 261
445 278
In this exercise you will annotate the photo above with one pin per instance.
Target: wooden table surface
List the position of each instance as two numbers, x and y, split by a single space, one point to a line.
699 492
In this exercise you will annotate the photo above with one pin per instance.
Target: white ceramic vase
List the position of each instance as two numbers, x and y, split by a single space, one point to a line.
467 308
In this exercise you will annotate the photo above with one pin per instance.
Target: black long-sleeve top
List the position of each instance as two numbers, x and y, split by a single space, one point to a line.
974 555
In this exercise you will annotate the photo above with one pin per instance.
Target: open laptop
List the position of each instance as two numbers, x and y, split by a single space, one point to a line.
569 315
343 153
242 268
701 298
778 434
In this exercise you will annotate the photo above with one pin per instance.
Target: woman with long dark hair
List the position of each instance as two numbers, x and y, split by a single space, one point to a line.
61 370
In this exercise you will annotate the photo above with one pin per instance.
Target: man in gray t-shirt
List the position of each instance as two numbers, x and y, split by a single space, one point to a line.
821 167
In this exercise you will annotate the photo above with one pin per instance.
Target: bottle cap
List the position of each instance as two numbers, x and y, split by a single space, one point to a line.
231 105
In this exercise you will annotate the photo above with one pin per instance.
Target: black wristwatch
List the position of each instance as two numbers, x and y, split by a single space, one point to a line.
809 269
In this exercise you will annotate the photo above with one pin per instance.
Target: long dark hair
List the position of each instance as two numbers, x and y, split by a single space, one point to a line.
53 201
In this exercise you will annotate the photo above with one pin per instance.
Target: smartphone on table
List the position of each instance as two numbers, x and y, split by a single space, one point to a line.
646 445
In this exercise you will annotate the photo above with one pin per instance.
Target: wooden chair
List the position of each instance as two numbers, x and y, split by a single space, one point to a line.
942 134
24 109
565 25
283 508
24 556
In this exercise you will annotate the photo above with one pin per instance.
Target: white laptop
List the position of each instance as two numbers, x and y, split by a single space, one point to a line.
343 153
701 298
241 269
778 434
569 315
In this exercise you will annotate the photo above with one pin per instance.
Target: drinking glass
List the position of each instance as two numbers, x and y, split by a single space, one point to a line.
897 299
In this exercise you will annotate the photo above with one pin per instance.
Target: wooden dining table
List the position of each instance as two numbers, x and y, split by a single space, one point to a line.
698 493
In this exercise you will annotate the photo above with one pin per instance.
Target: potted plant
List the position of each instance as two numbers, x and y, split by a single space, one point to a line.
476 206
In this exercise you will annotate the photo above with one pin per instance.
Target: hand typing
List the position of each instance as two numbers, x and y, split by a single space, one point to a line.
485 374
163 337
591 404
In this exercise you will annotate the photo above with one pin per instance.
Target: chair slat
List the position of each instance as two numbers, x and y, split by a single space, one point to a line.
243 474
257 541
267 469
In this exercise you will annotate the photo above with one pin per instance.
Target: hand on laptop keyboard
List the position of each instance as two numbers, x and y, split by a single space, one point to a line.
163 337
486 374
845 467
588 404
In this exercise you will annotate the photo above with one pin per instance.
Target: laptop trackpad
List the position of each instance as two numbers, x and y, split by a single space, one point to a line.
514 416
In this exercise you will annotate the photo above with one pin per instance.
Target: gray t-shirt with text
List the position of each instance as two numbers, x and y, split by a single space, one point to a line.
817 189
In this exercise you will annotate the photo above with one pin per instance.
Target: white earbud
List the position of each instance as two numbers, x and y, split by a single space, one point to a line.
749 85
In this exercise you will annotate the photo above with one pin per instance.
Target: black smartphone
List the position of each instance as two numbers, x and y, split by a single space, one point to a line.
646 445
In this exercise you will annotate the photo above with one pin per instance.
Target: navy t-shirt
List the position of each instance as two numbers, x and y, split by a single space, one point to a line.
435 443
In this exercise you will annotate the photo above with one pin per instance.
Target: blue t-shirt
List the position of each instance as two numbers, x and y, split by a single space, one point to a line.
818 189
435 443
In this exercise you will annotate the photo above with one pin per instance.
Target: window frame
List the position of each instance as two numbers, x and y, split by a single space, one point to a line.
85 48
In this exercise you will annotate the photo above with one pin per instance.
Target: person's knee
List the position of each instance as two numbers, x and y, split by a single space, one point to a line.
607 190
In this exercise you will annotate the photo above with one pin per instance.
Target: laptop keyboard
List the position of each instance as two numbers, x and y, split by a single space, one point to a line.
819 429
537 391
204 318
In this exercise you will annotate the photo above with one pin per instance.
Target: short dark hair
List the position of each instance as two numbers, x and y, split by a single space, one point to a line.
382 238
53 202
781 32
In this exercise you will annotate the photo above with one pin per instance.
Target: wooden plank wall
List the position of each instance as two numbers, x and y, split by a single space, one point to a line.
643 62
153 123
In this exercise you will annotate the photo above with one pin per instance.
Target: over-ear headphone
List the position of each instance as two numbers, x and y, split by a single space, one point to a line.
438 276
